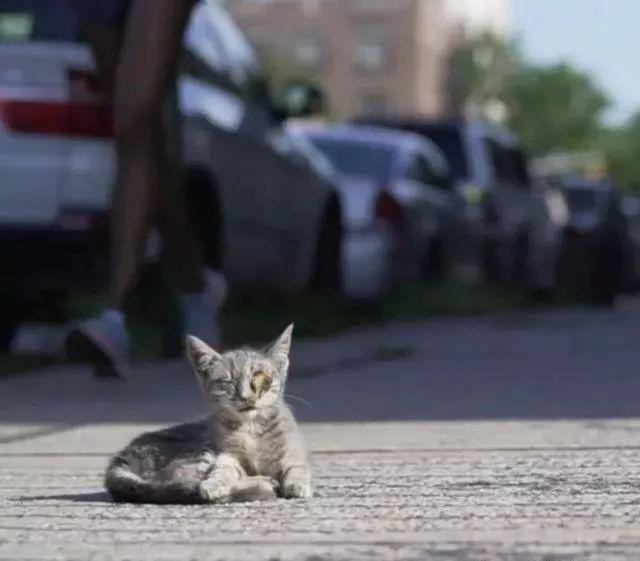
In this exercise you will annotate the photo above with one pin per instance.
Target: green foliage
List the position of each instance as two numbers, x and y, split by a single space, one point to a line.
480 71
555 108
622 146
551 107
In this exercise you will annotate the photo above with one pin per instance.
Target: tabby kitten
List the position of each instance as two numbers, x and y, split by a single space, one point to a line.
249 447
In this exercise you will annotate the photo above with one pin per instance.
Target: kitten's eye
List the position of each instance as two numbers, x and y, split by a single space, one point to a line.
260 382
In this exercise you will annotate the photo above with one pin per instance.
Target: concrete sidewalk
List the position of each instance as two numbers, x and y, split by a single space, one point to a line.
536 498
430 459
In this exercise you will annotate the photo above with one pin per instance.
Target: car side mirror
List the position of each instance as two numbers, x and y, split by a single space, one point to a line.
301 99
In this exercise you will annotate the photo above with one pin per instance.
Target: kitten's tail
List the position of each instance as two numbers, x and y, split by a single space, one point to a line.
125 486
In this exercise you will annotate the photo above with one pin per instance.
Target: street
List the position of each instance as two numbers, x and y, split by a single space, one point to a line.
506 437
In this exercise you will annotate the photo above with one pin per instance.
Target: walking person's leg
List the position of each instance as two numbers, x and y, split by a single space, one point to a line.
148 191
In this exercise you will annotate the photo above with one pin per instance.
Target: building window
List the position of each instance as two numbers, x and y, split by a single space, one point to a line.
374 103
372 49
309 51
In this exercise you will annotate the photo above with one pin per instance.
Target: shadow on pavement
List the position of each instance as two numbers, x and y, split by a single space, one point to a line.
99 497
553 366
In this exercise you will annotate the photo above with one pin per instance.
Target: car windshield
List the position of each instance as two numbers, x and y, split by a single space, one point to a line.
356 157
449 140
37 20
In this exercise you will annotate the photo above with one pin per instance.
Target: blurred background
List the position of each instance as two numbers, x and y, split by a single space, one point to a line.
345 161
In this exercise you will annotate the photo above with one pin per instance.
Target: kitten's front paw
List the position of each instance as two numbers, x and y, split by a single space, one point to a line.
205 464
214 490
296 489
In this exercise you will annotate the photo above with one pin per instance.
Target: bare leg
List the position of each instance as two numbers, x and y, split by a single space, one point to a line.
148 190
138 67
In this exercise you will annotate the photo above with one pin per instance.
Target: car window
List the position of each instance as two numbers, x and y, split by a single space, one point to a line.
415 171
509 164
449 139
37 20
519 166
438 164
581 200
421 169
355 157
498 161
202 38
237 48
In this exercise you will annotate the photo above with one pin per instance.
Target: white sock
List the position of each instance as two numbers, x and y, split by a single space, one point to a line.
213 294
195 301
114 315
201 309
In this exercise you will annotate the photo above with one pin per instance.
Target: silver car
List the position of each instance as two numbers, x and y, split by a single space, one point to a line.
402 221
490 170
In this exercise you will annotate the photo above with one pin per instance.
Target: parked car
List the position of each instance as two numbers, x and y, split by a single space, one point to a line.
549 218
265 214
401 217
489 169
593 265
630 206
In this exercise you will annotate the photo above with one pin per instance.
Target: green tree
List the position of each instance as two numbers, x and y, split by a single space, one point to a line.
479 71
622 148
552 108
555 108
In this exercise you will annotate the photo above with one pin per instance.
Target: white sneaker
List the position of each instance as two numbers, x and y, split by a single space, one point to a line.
201 311
103 342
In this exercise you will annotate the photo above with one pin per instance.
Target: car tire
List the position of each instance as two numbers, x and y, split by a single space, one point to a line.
520 273
13 313
491 269
327 264
206 214
606 274
434 266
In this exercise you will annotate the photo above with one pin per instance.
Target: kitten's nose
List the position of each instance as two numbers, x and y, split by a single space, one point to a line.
260 383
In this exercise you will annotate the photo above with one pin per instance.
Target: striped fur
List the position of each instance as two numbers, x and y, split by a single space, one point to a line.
248 448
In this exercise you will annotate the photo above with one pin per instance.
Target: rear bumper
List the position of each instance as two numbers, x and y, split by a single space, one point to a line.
369 264
35 259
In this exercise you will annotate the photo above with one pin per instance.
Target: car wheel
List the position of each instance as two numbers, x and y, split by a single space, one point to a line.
206 215
13 312
491 269
520 264
606 273
327 264
434 266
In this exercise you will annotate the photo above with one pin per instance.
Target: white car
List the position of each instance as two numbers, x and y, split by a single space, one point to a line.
267 217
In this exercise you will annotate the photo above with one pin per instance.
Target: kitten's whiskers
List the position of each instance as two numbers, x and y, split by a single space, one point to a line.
304 401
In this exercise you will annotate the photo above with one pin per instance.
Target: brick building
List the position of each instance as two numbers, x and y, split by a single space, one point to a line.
373 56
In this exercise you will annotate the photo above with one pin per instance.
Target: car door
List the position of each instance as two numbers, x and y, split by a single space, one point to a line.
218 96
426 203
459 244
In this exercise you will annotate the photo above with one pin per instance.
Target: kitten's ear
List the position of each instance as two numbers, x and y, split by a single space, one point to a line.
199 353
279 349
